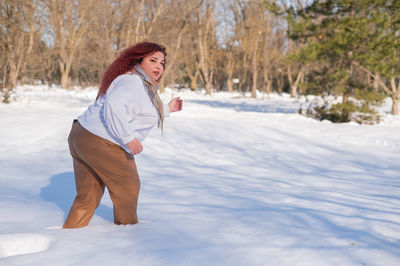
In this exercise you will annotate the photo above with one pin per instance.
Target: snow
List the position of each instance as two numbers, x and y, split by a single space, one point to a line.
232 181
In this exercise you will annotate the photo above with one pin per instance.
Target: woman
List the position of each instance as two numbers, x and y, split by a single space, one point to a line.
105 138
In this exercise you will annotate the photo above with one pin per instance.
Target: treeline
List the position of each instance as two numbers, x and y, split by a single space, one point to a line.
337 47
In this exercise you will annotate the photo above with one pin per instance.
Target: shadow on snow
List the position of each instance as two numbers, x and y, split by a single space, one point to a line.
61 191
264 107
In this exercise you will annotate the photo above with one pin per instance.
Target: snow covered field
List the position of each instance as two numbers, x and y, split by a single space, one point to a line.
232 181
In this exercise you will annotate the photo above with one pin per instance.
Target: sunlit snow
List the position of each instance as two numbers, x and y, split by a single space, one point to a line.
232 181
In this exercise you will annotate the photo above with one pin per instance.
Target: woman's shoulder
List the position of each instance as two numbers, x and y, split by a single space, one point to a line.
128 77
128 81
126 84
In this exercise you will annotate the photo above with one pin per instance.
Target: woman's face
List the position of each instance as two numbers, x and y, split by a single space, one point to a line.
153 65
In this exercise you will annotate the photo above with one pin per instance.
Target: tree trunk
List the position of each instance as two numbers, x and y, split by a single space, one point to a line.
193 83
230 68
254 64
229 83
255 72
268 86
395 93
267 82
64 80
208 88
64 69
13 77
193 78
294 85
10 82
206 26
280 83
346 97
395 106
254 85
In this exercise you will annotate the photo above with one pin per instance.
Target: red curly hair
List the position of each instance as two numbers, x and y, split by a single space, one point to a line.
127 59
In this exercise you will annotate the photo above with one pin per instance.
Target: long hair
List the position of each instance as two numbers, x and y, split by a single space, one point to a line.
127 59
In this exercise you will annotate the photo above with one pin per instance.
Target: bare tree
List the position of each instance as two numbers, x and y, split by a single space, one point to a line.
231 36
17 39
177 19
273 49
206 40
191 59
249 16
137 20
255 29
230 67
239 16
70 21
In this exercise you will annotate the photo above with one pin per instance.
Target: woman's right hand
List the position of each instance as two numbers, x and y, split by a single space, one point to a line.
175 105
135 146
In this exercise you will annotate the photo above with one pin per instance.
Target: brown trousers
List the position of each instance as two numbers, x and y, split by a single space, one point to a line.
99 163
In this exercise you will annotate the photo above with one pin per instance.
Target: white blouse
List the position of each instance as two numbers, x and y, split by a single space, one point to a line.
125 112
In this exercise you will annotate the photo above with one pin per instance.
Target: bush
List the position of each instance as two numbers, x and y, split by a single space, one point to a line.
356 111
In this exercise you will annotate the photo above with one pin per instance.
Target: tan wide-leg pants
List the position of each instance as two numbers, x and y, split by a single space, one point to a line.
98 163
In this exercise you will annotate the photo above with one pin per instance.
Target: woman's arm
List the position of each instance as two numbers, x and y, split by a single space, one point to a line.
123 99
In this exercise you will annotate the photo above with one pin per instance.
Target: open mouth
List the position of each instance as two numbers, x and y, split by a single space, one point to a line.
156 73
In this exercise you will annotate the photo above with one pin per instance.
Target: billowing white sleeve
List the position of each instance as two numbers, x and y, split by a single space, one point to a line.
123 101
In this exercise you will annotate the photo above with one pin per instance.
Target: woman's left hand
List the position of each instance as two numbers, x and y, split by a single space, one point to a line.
175 105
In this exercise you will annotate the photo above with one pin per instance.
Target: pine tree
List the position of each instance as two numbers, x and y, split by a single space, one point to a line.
342 36
379 53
